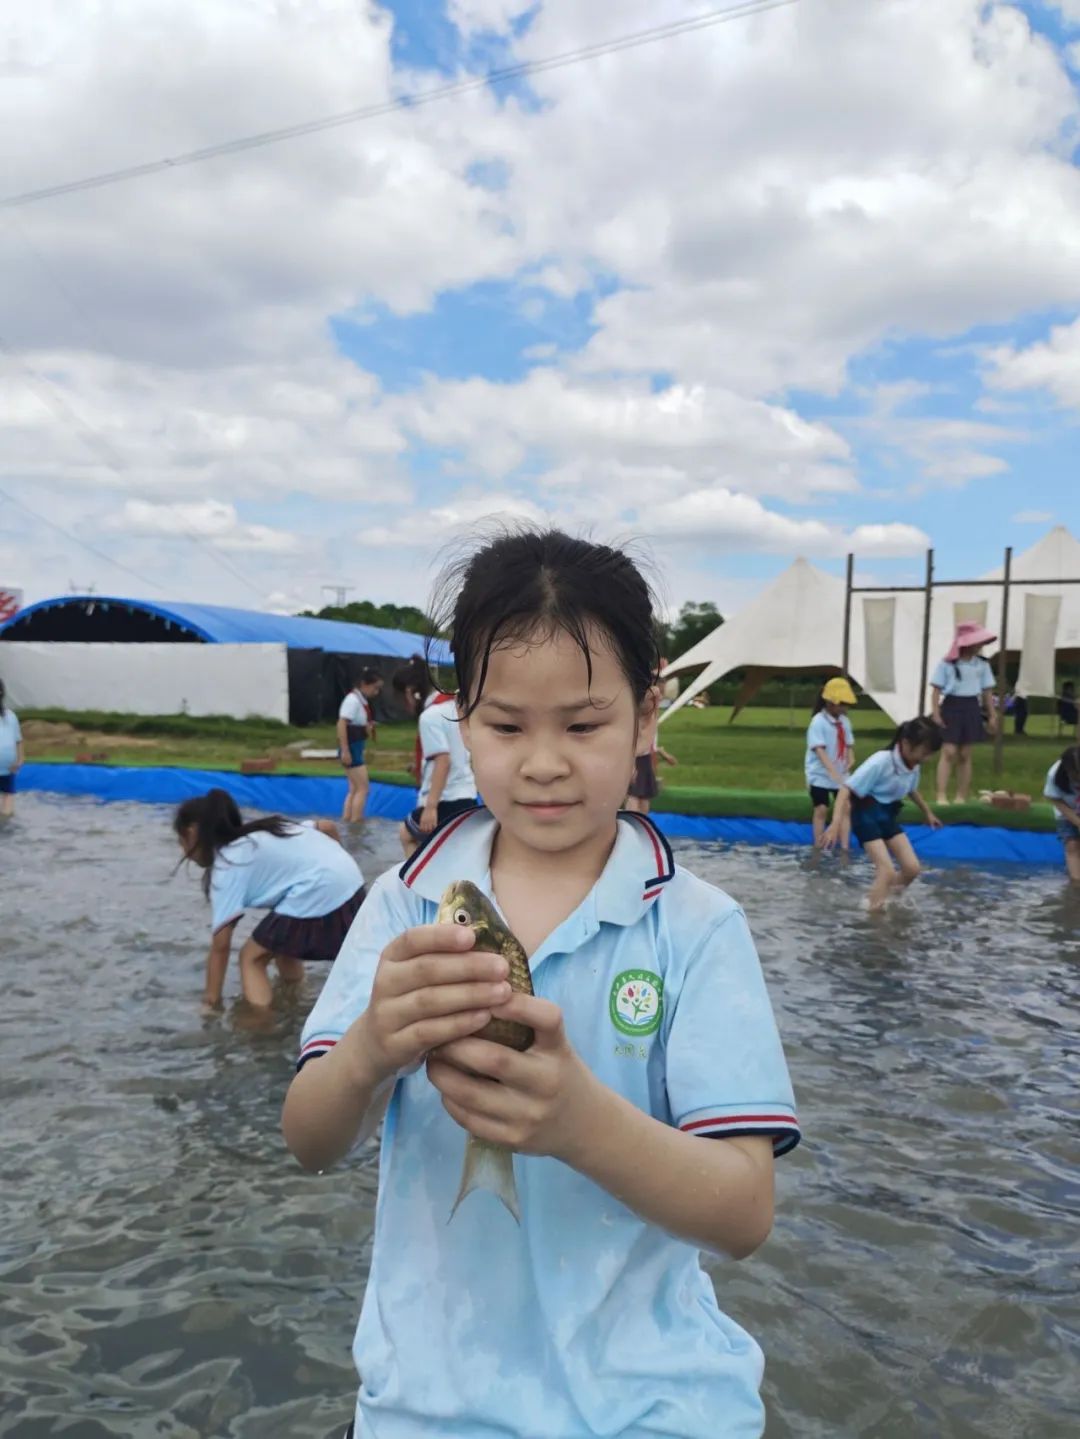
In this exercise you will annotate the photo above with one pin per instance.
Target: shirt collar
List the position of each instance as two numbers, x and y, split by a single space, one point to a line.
639 866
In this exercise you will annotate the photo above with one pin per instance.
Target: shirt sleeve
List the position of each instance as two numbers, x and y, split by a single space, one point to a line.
986 676
18 728
862 781
384 915
228 892
348 708
941 677
1052 790
726 1073
433 737
818 733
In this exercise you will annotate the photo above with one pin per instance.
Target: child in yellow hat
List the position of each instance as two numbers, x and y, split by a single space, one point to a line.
830 753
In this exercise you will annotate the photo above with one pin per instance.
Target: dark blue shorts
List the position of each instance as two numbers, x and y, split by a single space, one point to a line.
7 784
870 819
356 753
819 795
1066 832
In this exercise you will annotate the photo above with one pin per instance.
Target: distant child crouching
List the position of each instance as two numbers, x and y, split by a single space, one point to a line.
1062 788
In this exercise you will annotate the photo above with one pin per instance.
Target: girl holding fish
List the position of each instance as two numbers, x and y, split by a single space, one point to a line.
542 993
298 871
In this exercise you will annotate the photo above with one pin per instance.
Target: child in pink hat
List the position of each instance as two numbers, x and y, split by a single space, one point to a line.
963 688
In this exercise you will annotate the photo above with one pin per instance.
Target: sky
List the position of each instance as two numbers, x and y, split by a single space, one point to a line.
802 282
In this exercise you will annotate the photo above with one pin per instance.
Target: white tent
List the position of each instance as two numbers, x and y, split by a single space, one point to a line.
796 625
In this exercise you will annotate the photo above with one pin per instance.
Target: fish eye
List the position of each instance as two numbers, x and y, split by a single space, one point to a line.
462 916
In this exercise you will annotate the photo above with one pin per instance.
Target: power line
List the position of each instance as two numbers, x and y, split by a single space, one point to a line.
453 88
77 540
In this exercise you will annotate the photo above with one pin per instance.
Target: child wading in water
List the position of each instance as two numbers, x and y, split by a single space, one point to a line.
873 797
355 727
1062 788
298 871
830 754
646 1114
11 755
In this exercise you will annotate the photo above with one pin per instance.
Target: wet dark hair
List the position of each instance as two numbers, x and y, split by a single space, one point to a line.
527 584
414 677
217 821
923 732
1067 774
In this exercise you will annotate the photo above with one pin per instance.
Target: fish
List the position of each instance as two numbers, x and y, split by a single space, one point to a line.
490 1166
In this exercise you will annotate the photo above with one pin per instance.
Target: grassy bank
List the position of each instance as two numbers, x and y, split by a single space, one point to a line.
751 767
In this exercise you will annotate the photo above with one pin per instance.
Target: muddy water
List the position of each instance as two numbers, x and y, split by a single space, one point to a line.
166 1270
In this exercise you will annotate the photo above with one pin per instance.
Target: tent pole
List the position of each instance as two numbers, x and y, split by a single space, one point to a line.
1003 640
847 612
929 591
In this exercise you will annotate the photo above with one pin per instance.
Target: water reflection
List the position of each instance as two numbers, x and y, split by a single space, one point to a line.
166 1269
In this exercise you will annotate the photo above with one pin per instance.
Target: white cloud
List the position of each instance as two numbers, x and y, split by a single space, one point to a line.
213 520
723 520
425 529
1032 517
776 196
1052 365
694 431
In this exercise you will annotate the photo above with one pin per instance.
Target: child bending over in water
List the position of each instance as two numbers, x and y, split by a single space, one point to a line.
646 1113
873 797
298 871
1062 789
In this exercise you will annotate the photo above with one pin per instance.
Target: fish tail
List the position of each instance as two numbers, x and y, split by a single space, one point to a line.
488 1166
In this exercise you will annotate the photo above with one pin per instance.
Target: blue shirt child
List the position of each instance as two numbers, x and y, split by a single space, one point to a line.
824 732
884 777
586 1320
963 678
10 738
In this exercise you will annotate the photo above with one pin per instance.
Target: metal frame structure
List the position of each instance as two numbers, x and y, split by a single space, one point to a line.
927 589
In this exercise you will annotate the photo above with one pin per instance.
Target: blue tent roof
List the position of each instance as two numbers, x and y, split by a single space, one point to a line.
220 625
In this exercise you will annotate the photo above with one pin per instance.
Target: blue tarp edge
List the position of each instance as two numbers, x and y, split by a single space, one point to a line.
324 794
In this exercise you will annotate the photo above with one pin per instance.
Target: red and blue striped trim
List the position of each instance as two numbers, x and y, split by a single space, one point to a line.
665 860
314 1049
784 1128
420 858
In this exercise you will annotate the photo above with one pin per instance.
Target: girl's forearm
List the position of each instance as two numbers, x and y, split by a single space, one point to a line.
217 963
716 1193
842 805
333 1102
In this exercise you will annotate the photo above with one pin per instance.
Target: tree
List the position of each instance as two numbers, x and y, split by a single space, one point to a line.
384 617
694 622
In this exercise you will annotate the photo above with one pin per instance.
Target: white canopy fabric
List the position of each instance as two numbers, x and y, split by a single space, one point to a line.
797 625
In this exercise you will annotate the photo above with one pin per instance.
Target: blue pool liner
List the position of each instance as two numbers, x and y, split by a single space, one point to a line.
324 795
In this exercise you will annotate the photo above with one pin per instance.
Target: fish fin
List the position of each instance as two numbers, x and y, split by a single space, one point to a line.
491 1167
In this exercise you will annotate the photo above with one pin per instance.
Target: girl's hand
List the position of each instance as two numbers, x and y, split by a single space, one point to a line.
428 990
829 837
429 818
543 1101
932 820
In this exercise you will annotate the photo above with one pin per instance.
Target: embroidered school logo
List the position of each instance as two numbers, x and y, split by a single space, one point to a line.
636 1002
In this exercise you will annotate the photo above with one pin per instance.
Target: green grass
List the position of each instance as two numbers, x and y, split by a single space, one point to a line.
751 767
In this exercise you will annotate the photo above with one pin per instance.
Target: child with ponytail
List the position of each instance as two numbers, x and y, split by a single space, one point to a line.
646 1110
296 870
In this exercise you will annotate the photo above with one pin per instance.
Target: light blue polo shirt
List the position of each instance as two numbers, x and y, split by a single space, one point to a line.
964 678
824 732
884 777
1052 790
584 1320
10 738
